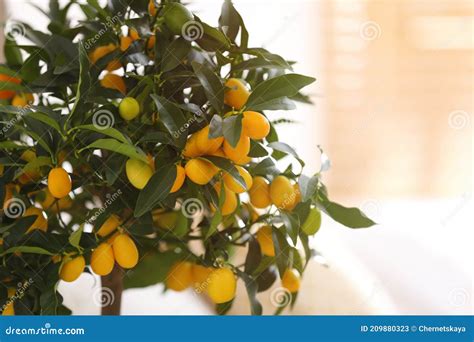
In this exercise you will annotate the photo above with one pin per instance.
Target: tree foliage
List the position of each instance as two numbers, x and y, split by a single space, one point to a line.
177 73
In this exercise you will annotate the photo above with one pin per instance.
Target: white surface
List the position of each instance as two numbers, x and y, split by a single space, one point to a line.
421 253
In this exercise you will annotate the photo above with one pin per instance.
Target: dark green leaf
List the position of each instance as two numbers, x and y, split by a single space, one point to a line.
153 268
257 150
349 217
173 119
156 190
254 256
84 85
212 85
215 127
232 129
277 87
265 167
118 147
252 288
174 54
308 186
226 165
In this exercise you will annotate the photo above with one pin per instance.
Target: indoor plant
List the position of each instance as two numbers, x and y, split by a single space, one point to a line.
137 131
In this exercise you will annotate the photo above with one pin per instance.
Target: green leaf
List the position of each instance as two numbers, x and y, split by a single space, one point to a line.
252 287
181 227
46 120
152 268
269 57
108 131
36 163
12 86
254 256
257 150
20 225
282 249
215 127
226 165
175 54
256 63
212 84
156 190
49 301
217 218
229 21
265 167
12 53
308 186
277 87
232 129
212 39
173 119
26 249
285 148
281 103
75 237
84 84
118 147
292 225
349 217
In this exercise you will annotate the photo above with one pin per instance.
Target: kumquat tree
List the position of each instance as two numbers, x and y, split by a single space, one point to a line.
135 145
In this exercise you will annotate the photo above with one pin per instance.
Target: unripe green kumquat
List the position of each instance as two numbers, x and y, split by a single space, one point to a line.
138 173
129 108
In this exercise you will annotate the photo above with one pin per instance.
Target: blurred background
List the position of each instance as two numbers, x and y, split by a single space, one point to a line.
393 110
